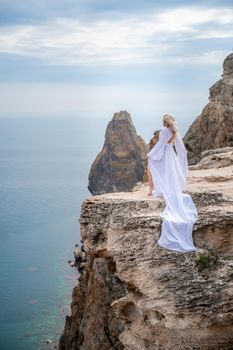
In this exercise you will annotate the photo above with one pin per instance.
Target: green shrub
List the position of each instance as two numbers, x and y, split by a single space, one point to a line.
206 260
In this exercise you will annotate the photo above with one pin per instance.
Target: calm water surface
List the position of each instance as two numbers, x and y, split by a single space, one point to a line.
44 164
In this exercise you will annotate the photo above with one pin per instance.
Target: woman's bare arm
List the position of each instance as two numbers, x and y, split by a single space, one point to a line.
172 138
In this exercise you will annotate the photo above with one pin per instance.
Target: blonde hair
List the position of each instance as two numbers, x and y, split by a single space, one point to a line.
172 124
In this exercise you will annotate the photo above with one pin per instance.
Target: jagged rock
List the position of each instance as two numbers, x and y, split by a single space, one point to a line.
136 295
215 158
151 144
154 139
213 127
122 161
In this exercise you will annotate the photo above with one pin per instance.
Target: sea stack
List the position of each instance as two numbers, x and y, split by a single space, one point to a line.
122 161
213 127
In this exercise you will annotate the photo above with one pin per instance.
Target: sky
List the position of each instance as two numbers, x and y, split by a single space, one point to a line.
93 58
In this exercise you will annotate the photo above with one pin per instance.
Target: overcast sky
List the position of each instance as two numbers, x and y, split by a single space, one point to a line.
89 57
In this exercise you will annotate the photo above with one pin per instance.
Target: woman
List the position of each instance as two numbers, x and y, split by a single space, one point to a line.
167 173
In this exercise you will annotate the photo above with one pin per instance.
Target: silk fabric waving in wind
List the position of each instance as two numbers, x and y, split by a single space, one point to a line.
168 166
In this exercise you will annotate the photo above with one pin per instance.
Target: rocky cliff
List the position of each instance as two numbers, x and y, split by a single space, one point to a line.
136 295
213 127
122 161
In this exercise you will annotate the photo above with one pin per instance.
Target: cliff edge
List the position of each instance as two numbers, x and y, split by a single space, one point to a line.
136 295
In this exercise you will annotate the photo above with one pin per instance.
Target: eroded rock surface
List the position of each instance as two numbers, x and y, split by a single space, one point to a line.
215 158
213 127
136 295
122 161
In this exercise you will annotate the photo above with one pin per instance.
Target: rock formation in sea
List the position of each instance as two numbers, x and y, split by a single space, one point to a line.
213 127
154 139
152 142
122 161
134 294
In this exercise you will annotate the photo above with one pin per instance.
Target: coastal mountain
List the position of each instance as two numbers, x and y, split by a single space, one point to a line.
213 128
136 295
122 160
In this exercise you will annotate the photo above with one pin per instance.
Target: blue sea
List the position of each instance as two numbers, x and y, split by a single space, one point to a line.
44 165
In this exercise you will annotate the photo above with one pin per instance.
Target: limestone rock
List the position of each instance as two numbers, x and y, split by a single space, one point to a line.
215 158
151 144
136 295
154 139
122 161
213 127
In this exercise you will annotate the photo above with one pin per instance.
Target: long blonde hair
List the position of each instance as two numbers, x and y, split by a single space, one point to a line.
172 124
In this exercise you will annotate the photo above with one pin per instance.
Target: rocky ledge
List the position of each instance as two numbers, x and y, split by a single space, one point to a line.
136 295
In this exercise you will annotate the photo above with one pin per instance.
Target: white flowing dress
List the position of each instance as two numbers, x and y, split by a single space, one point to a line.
168 166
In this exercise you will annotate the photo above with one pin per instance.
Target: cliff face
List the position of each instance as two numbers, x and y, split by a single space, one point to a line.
122 161
213 128
134 294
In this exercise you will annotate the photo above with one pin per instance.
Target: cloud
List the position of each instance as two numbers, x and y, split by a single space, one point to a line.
14 11
137 39
213 57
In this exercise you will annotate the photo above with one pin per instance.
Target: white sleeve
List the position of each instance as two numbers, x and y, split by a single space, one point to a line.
181 154
156 152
